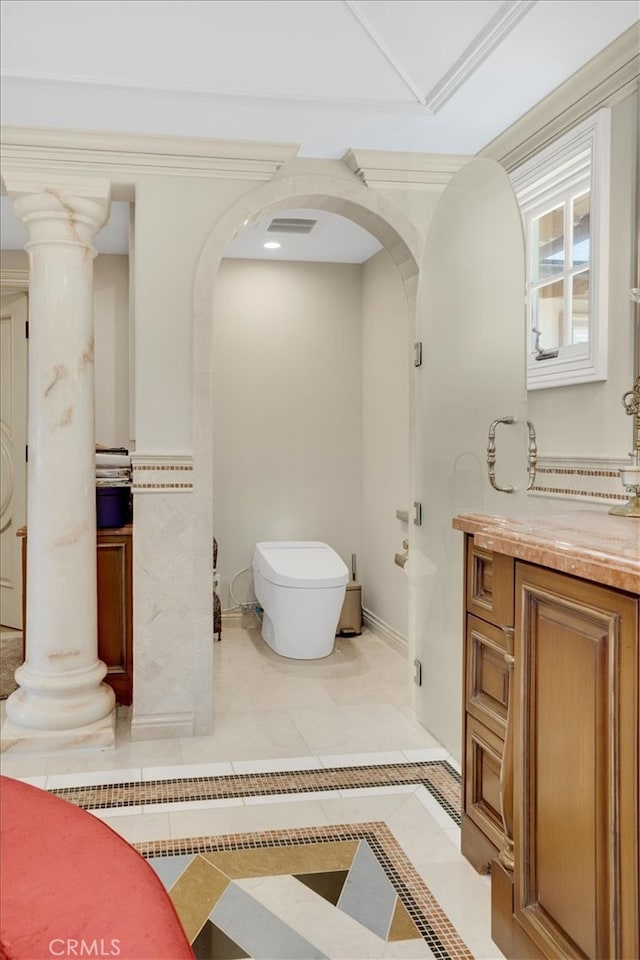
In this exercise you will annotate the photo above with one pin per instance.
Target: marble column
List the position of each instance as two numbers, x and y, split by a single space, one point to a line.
61 702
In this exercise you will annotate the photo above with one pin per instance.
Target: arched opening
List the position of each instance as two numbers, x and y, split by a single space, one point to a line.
344 197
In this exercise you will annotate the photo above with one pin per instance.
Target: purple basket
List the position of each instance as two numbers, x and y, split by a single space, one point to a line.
113 506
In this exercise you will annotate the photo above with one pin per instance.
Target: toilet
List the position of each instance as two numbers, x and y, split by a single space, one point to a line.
300 586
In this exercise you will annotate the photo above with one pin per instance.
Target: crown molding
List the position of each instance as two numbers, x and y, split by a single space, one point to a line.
606 80
383 168
96 153
14 279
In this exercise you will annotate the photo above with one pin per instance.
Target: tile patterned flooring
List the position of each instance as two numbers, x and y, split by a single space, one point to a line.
318 820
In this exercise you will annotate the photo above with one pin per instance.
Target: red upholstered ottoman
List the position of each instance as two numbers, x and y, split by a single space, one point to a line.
71 887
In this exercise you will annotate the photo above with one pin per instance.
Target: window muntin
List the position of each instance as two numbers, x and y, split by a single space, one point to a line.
563 195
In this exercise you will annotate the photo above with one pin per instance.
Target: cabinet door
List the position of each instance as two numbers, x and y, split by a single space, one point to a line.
115 647
576 773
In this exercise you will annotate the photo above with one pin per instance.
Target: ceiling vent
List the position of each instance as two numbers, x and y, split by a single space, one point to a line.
291 225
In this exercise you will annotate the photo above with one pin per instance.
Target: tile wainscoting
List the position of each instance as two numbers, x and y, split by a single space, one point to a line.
590 479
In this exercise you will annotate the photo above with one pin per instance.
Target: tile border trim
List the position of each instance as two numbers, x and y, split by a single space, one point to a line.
162 473
591 479
438 777
431 921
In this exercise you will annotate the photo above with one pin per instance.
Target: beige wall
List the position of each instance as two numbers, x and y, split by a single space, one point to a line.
287 421
111 326
173 218
385 440
588 420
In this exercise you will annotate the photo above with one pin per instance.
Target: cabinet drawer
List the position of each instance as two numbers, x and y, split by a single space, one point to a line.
487 677
483 759
490 578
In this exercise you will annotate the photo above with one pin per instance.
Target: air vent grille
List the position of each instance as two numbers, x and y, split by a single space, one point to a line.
291 225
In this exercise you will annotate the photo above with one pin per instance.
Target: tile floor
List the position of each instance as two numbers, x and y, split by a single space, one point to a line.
271 716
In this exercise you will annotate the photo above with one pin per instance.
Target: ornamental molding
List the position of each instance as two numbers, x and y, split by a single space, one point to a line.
128 156
14 279
389 169
604 81
162 473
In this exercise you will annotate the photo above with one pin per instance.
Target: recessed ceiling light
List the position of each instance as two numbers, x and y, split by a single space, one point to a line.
271 245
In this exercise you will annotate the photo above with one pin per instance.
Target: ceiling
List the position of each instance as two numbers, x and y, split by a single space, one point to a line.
435 76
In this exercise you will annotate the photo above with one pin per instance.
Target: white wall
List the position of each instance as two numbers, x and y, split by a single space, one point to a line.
287 409
385 440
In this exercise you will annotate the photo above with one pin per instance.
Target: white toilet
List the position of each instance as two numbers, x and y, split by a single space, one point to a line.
300 586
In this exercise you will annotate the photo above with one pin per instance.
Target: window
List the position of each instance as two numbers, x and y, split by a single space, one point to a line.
563 194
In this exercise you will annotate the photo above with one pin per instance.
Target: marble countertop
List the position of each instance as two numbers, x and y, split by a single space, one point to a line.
590 544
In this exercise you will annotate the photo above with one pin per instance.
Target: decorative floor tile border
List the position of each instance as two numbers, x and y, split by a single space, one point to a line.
440 779
434 926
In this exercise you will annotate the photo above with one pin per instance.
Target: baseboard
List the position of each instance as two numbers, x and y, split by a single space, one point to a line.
161 726
240 618
385 632
232 618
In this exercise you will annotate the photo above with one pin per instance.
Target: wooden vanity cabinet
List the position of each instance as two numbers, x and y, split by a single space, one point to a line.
551 792
575 785
115 609
114 562
489 613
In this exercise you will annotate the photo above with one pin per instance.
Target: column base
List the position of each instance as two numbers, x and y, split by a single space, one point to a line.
99 735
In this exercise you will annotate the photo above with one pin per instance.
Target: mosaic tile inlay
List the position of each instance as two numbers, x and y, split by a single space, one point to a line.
437 776
306 892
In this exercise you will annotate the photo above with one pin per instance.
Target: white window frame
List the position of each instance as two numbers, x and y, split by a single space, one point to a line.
579 158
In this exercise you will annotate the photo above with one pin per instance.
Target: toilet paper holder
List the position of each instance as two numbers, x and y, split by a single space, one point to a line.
400 559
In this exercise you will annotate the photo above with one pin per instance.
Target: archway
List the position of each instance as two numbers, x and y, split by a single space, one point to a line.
346 197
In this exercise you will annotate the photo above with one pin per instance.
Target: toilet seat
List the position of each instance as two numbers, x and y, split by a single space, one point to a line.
303 564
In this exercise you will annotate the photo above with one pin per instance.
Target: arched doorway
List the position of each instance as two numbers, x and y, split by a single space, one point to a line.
345 197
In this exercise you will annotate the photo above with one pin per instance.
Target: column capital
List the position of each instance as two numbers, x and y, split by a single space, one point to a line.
59 209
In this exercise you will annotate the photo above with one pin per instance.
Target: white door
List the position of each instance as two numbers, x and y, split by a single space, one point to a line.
470 313
13 442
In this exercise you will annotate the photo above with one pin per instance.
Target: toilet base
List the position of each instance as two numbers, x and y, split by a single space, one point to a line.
289 648
300 623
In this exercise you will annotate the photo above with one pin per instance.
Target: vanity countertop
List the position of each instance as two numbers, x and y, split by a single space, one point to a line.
586 543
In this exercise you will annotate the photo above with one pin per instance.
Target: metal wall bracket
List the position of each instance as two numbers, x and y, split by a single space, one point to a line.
417 676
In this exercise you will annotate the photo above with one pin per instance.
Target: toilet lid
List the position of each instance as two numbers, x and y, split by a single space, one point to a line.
300 564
